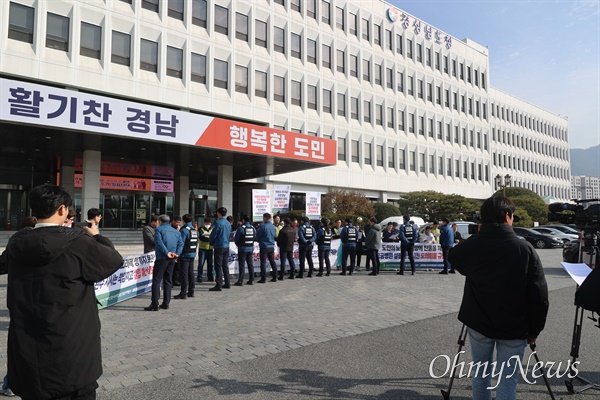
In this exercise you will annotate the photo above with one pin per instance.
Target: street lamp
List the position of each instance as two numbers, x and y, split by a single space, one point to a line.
502 182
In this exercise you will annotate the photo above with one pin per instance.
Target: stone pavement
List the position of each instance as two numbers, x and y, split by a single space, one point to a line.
218 329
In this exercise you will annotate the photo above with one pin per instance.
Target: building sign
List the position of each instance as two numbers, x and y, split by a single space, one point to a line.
118 168
32 103
408 22
134 184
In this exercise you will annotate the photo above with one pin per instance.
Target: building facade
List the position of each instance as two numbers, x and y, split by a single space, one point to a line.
409 107
585 187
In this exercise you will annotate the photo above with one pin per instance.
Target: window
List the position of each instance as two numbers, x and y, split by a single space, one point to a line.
431 164
279 44
391 158
341 149
20 23
221 74
355 148
174 62
411 122
454 68
366 111
341 105
437 60
446 64
312 97
429 92
341 61
354 108
279 89
311 8
121 48
260 33
280 2
176 9
462 71
402 160
365 29
353 24
447 97
389 82
457 169
296 46
411 85
198 68
241 79
366 67
241 27
401 120
390 117
389 40
339 18
413 160
260 84
438 95
441 165
378 73
367 147
91 41
353 65
430 127
199 13
151 5
419 53
327 101
421 162
468 74
379 114
221 20
399 41
400 82
420 88
326 56
311 51
377 34
422 125
428 57
296 93
326 12
149 56
449 168
296 5
57 32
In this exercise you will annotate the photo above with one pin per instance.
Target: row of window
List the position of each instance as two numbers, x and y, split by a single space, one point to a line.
529 166
527 121
521 142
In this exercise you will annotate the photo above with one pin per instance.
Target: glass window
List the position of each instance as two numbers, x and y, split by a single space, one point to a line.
378 75
20 23
341 104
57 32
91 41
326 12
353 65
311 97
221 20
354 108
366 111
326 56
149 55
311 51
399 41
353 24
296 46
366 67
121 48
339 18
241 27
422 162
341 149
174 62
413 160
241 79
199 13
389 82
311 8
401 120
221 74
367 147
260 84
377 34
379 114
355 148
279 43
151 5
391 158
260 34
279 89
296 93
341 61
402 159
409 48
400 82
296 5
176 9
327 101
428 57
419 53
365 29
198 68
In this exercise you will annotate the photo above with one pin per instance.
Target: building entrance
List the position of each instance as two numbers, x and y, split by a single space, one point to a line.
12 208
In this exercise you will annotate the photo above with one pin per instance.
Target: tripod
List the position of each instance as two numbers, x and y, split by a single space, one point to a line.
594 254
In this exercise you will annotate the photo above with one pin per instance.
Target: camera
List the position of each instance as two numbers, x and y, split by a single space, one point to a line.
585 216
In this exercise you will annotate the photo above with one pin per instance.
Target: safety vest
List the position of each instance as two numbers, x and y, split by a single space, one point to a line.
352 237
191 243
326 238
248 239
308 233
204 238
409 233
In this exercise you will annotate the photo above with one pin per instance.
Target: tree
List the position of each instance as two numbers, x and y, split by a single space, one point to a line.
432 205
528 201
385 210
346 204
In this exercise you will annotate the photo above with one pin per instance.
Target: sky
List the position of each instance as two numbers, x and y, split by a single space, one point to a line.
545 52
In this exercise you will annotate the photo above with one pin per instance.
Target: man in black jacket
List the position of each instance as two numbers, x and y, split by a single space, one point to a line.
285 242
505 299
54 333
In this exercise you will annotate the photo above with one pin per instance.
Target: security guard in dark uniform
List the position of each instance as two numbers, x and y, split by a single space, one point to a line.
324 246
349 237
244 240
189 236
306 240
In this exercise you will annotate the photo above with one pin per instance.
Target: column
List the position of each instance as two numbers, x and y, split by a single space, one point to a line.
383 197
67 179
90 191
182 195
225 187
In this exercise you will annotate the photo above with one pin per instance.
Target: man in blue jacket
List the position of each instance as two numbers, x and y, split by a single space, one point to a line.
407 236
189 236
244 240
168 247
349 237
266 242
306 240
446 241
219 240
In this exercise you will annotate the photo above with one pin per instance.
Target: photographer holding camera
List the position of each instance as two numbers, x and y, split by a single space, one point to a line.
505 301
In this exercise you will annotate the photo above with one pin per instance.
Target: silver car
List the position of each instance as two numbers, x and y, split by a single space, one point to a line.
565 237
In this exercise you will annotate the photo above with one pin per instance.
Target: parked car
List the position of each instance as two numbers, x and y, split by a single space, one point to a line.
538 240
563 228
565 237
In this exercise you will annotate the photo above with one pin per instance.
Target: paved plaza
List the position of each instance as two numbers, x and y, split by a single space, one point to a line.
336 337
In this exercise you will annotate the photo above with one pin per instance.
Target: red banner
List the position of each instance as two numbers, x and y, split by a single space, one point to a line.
134 184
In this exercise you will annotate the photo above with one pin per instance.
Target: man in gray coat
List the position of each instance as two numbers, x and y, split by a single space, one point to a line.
372 242
148 234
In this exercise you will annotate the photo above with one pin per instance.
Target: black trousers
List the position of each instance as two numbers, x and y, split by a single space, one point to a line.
373 256
324 258
163 273
188 281
222 266
445 250
85 393
410 249
270 255
348 251
305 255
246 258
289 255
359 247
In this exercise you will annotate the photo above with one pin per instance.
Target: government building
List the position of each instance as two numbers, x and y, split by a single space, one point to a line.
175 106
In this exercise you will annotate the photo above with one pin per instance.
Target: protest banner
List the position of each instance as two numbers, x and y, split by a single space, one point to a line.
313 205
261 203
281 198
427 256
